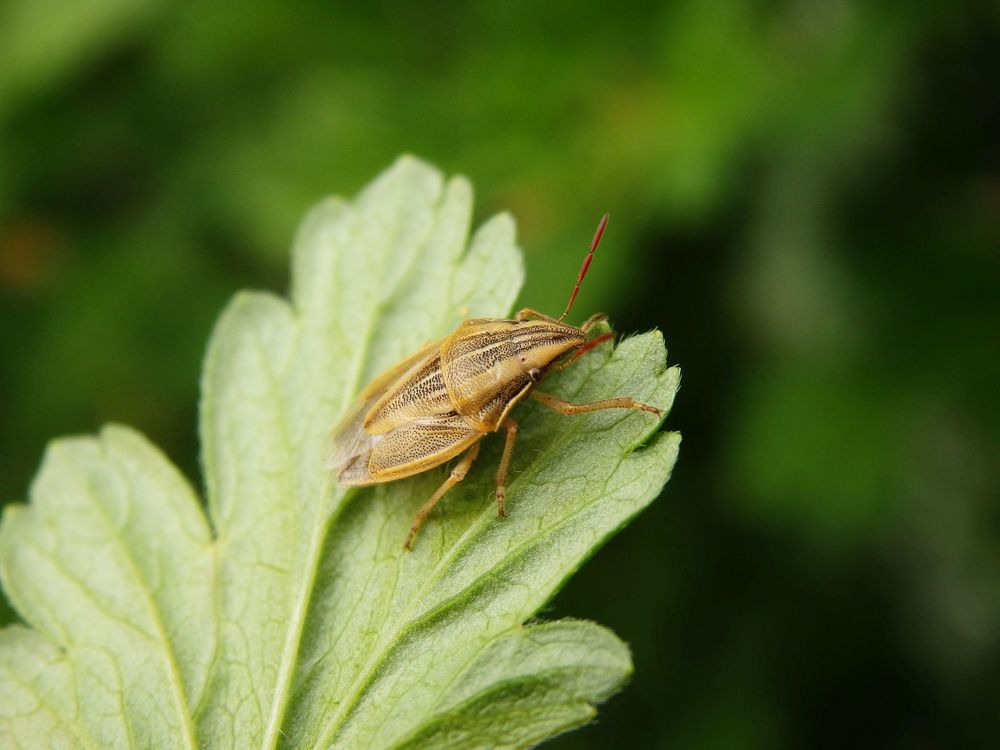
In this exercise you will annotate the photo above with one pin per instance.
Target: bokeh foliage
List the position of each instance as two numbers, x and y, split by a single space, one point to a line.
812 185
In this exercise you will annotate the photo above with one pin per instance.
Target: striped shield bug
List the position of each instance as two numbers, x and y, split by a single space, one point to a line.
442 400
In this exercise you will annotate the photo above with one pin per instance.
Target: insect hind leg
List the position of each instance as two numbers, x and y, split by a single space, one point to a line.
508 448
456 476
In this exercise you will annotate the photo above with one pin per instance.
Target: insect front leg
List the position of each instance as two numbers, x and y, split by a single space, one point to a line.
565 407
592 321
456 476
583 350
528 314
508 448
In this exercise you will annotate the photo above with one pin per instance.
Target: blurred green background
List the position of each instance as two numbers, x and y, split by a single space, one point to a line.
805 198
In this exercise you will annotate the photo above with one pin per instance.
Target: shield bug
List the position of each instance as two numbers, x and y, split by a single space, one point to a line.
442 400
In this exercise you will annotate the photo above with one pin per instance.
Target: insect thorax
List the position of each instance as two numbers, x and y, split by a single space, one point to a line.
485 363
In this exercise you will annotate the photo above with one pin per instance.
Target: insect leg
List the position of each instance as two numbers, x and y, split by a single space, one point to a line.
457 475
565 407
511 426
583 350
528 314
592 321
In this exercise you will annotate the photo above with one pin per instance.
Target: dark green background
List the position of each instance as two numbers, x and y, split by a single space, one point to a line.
805 199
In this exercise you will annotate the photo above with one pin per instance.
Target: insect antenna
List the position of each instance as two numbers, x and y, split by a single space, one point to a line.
586 264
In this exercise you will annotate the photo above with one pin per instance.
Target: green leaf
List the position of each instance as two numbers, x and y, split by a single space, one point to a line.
290 617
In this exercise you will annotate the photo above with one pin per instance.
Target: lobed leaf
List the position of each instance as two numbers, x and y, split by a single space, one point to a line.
290 616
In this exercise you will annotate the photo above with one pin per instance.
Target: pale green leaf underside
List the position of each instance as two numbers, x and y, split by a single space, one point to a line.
289 616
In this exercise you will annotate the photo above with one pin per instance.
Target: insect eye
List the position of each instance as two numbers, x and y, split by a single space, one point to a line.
535 374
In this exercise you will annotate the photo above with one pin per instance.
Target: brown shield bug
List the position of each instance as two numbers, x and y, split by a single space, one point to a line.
445 398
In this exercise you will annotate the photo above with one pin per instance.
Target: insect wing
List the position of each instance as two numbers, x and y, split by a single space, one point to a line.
419 393
350 440
351 446
420 445
375 388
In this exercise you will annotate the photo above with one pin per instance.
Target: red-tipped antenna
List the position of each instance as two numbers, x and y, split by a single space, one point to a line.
586 264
